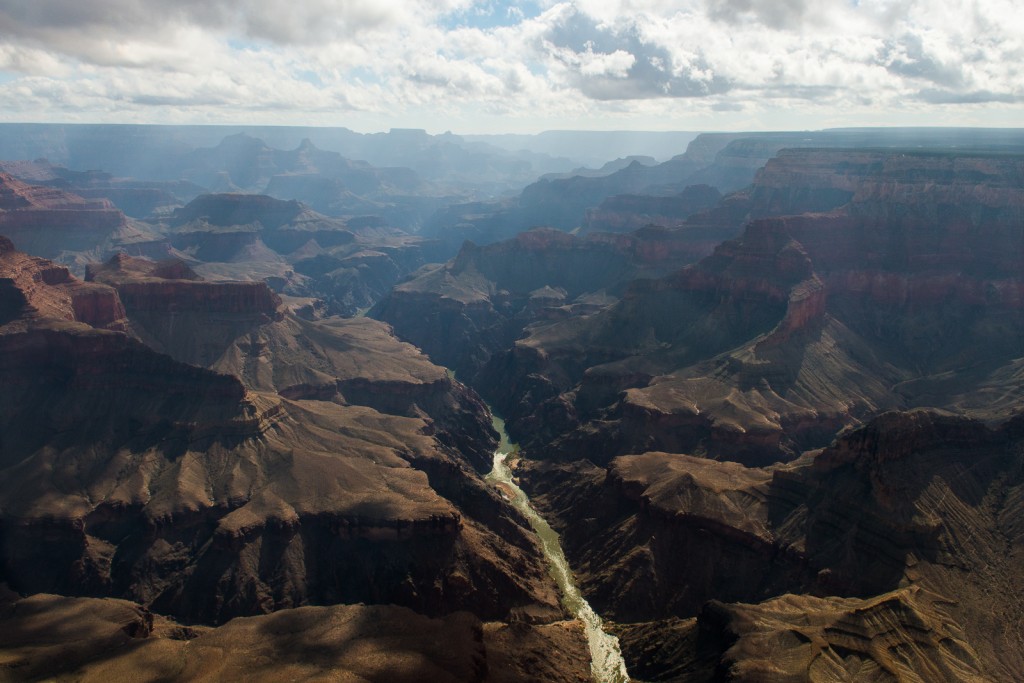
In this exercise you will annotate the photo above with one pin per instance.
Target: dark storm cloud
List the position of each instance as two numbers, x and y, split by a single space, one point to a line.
653 72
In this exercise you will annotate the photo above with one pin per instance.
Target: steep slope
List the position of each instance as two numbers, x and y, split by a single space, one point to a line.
127 473
347 264
54 224
904 635
922 503
911 295
100 640
463 312
240 328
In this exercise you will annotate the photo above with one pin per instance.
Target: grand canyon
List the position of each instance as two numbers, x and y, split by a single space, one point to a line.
283 403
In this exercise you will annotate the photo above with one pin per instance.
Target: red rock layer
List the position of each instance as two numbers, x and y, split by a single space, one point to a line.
37 287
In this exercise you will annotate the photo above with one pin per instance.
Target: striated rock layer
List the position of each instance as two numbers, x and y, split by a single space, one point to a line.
908 528
100 640
909 295
241 329
205 495
49 222
463 312
348 264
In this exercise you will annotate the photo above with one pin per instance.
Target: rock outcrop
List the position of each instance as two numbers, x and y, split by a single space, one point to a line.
87 639
54 224
127 473
898 302
623 213
34 287
908 528
476 305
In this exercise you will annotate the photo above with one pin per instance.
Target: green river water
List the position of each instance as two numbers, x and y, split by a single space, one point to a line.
606 662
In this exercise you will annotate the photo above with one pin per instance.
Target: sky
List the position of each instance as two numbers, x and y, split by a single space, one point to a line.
490 66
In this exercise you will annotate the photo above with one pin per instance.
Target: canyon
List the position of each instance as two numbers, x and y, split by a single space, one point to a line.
767 392
204 496
870 306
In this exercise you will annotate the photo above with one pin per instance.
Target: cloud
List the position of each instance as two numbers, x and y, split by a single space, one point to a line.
611 62
775 14
934 96
684 63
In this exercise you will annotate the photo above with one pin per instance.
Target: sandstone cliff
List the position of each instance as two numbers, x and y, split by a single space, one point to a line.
49 222
623 213
101 640
901 302
128 473
463 312
34 287
913 520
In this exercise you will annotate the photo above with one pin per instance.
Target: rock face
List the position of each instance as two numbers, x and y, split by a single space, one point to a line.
301 252
98 640
463 312
623 213
55 224
34 287
241 329
172 287
912 522
804 325
205 495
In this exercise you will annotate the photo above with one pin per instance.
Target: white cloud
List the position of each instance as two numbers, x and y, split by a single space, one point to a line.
683 64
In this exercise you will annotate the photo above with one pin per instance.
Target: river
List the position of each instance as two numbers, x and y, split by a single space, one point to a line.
606 663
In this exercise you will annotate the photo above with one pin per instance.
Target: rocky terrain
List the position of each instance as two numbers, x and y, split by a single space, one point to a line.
803 325
344 265
873 294
562 203
670 192
476 305
311 464
90 639
623 213
55 224
905 531
141 199
778 430
224 158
